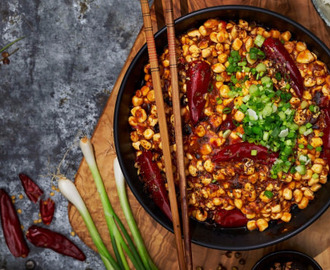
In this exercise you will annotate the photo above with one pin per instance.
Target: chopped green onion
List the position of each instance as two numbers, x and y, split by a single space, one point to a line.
253 89
256 53
302 129
288 142
226 110
219 101
301 169
226 133
241 64
292 170
304 159
278 76
301 146
268 194
283 133
309 125
266 80
259 40
315 176
282 115
218 78
318 149
254 152
304 104
309 147
246 69
308 131
268 110
243 107
316 109
252 114
261 67
265 136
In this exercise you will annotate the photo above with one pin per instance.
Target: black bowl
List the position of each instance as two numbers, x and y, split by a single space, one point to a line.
202 234
284 256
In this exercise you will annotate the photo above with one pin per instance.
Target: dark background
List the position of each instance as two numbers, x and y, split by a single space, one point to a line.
56 87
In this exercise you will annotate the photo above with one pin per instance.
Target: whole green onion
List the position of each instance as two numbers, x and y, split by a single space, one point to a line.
121 189
69 191
118 243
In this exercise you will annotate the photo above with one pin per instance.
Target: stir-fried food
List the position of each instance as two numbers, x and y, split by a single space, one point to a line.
255 111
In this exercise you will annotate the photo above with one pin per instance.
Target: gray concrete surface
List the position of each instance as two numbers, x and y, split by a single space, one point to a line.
56 86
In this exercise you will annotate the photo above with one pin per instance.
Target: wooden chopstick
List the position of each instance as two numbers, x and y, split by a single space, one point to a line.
154 68
169 20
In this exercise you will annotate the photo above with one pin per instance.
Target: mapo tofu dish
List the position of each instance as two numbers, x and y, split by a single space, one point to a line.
255 114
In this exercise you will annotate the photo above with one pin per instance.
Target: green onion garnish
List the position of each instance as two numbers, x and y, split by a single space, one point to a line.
259 40
254 152
301 169
309 147
226 133
268 194
226 110
261 67
304 104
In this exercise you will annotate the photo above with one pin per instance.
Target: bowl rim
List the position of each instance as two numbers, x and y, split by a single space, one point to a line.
116 117
278 253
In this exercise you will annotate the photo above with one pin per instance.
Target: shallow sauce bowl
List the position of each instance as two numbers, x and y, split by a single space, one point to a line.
201 233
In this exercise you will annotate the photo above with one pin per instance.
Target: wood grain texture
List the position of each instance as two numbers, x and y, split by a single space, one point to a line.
314 241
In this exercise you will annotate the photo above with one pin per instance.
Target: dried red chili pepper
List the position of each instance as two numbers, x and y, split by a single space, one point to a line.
47 208
324 103
326 134
31 189
230 218
46 238
199 74
11 227
276 51
154 181
238 151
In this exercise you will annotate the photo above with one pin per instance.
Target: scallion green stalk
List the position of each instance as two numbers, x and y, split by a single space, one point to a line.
118 242
70 192
121 189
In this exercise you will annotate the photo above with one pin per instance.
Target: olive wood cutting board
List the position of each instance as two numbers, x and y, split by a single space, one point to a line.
314 241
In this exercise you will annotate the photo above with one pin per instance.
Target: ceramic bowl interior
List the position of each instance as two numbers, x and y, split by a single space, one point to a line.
202 234
283 256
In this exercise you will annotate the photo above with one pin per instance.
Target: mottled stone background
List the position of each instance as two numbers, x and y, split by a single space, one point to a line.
56 86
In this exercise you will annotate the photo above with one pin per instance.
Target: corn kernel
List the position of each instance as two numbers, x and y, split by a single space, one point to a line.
262 224
286 217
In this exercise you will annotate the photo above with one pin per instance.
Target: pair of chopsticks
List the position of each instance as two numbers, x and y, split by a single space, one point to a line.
185 258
